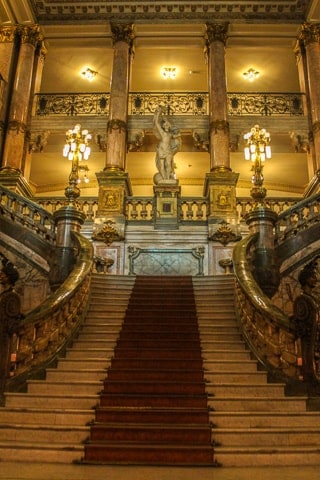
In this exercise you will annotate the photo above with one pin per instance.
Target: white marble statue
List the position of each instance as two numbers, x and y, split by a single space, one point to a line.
168 146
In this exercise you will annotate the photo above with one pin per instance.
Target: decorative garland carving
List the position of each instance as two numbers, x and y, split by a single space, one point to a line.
108 233
225 235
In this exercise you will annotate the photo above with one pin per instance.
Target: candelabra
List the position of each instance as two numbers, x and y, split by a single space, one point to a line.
257 150
76 149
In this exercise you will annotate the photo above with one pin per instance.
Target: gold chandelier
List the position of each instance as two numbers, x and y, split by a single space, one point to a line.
257 150
76 149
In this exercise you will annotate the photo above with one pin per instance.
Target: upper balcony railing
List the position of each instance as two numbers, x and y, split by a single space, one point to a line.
193 103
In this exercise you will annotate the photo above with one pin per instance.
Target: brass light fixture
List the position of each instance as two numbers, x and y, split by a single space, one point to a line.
257 150
89 74
251 74
168 72
76 149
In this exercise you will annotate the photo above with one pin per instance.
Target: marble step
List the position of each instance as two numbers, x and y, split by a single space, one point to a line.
55 434
237 354
236 390
81 352
83 363
267 456
235 376
212 366
264 437
264 419
252 403
40 452
51 400
63 375
44 416
72 387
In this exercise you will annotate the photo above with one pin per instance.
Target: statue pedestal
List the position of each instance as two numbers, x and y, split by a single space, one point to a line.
166 199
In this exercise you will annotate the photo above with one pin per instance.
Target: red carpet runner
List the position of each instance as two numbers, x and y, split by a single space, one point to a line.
153 408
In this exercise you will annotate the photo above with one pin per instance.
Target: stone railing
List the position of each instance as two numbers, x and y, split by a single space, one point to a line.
142 208
190 103
28 214
300 216
46 331
269 333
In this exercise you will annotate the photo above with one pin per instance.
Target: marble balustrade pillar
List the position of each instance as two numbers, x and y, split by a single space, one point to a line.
309 35
116 149
216 35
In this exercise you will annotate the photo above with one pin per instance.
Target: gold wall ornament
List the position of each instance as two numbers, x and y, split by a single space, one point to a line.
225 234
110 200
107 233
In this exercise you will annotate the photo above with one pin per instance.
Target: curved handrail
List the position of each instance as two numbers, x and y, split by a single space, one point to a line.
269 333
46 331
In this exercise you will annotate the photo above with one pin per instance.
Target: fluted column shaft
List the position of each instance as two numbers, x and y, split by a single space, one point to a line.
15 136
310 37
219 126
117 125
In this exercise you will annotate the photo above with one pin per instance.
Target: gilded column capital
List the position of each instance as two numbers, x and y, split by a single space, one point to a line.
216 32
31 34
309 33
123 33
7 34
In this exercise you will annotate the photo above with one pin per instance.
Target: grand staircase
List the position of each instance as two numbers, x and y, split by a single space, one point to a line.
115 398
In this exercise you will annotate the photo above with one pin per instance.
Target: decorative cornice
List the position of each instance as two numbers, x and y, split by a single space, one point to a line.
49 11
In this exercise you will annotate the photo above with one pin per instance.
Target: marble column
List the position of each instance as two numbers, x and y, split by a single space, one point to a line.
301 60
123 36
7 56
219 126
220 183
20 90
309 36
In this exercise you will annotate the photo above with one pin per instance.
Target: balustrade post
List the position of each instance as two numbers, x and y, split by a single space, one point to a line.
67 220
266 269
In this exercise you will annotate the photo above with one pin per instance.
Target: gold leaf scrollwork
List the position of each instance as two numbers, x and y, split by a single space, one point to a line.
108 233
225 235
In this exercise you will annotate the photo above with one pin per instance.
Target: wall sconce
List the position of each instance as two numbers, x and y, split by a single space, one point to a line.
251 74
168 72
257 150
76 149
89 74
